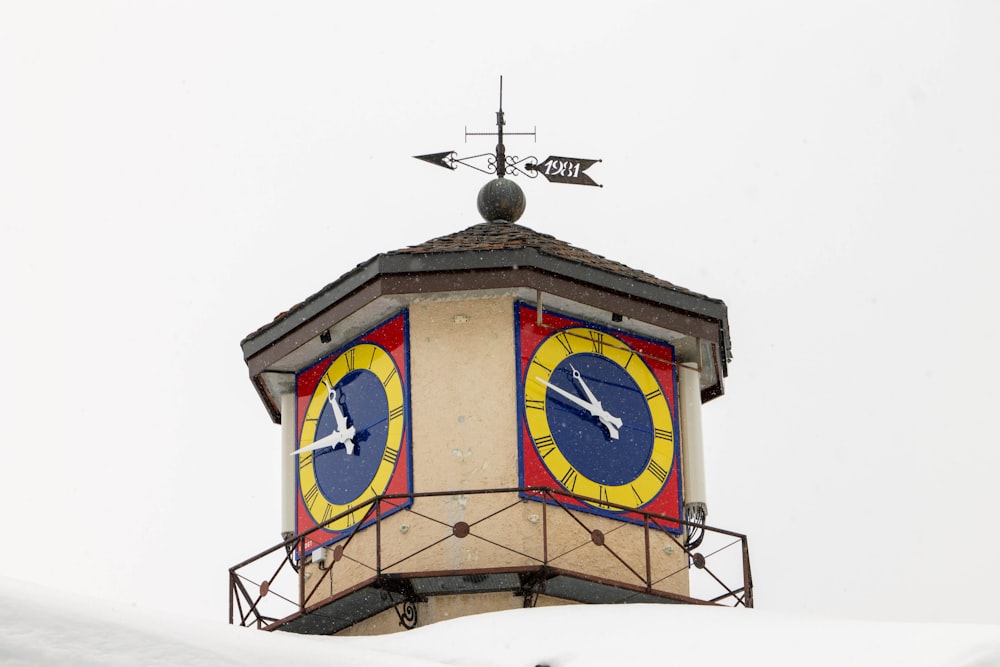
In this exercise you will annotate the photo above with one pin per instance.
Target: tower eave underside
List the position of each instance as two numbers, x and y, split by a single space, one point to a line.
407 276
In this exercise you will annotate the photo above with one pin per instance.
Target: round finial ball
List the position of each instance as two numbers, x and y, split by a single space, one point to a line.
501 199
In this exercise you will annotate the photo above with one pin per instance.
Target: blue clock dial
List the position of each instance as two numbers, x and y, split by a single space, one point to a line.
341 475
584 440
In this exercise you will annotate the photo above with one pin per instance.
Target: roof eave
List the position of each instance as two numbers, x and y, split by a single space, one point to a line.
472 260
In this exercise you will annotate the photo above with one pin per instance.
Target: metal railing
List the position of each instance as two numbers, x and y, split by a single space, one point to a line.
286 581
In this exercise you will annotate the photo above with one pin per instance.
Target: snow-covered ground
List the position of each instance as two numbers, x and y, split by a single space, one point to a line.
41 628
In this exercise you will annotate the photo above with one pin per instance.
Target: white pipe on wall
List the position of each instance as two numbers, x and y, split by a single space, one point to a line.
692 450
288 461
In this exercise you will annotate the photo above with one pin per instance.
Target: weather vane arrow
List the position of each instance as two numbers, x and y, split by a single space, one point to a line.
554 168
445 159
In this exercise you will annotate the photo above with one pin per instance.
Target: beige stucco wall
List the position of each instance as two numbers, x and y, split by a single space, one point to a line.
463 400
462 393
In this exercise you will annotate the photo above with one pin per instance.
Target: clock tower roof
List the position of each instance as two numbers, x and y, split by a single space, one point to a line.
485 256
501 235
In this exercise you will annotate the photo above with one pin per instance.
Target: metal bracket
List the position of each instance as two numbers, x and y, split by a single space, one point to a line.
406 606
532 585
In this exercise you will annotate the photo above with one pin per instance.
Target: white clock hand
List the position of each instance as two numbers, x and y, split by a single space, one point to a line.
609 420
328 440
345 432
342 433
594 410
570 397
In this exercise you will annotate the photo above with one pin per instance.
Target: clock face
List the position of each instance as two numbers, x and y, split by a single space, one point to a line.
353 432
597 416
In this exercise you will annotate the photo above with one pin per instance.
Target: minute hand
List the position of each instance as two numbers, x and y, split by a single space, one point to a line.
594 410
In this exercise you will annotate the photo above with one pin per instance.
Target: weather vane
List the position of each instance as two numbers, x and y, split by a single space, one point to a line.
555 169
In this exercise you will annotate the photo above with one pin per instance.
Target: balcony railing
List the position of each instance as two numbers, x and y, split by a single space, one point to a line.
518 545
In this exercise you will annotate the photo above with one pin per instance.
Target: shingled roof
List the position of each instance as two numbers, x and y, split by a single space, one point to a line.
490 236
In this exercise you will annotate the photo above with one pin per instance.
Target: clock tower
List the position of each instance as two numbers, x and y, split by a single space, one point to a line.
487 420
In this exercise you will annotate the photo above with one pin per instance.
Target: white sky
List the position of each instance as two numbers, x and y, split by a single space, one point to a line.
173 175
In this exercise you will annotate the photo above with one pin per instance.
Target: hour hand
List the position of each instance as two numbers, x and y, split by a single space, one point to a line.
344 432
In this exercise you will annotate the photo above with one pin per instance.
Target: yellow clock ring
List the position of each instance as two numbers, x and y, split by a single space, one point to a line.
598 417
357 415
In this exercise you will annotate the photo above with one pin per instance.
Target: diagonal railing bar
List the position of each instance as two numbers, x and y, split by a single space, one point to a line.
259 597
717 598
705 568
603 544
505 547
451 527
328 572
417 553
688 566
260 594
356 561
584 543
501 510
429 518
721 549
251 610
663 529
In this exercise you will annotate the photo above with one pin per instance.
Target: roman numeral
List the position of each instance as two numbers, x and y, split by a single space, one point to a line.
638 498
597 340
388 377
602 493
305 460
631 356
653 394
396 413
534 403
349 357
658 471
390 455
545 443
545 368
327 513
569 479
564 341
310 496
663 434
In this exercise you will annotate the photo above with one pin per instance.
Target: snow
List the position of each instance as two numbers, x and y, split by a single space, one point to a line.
41 627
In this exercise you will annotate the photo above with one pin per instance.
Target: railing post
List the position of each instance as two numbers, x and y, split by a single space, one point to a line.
545 529
649 570
300 546
378 535
747 577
